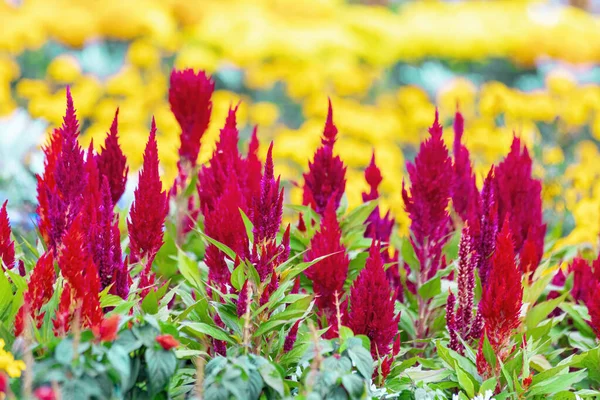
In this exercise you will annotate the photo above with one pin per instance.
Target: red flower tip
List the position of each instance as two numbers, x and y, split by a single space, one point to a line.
149 208
330 131
167 342
372 305
190 97
7 246
44 393
112 163
328 275
107 332
501 302
326 176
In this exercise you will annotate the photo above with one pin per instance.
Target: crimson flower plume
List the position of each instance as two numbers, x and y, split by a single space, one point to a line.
149 208
7 246
464 194
326 176
112 163
372 305
190 96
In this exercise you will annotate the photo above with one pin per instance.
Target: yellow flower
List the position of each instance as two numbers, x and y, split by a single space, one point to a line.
263 114
143 54
64 69
8 363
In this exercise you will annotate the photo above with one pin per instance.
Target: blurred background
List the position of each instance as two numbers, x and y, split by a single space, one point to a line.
528 67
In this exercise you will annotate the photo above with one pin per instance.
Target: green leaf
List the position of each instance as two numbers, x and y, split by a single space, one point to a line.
488 352
189 269
248 225
225 249
6 296
64 352
465 381
238 277
150 303
119 359
557 383
363 361
161 365
408 255
354 385
110 300
540 312
358 216
431 288
489 384
272 377
202 328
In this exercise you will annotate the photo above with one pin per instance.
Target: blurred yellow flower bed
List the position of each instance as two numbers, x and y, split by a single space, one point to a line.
319 49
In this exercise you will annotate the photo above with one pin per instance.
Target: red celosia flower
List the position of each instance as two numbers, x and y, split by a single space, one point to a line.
464 194
254 164
3 382
7 246
593 305
108 329
380 228
372 305
485 227
226 163
326 176
267 208
167 342
190 97
502 298
39 291
431 178
328 275
149 208
519 195
61 188
290 339
225 225
82 284
585 277
112 163
44 393
451 322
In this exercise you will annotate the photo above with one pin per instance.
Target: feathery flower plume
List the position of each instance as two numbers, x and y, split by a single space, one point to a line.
585 277
61 187
380 228
39 291
593 305
464 194
190 96
326 176
267 209
461 322
431 178
372 305
290 339
112 163
451 322
149 208
82 284
254 164
485 227
225 161
503 296
7 246
328 275
519 195
225 225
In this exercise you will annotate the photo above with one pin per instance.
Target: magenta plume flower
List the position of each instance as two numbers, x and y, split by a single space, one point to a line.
485 227
502 298
593 305
267 209
372 305
431 178
328 275
39 291
464 193
190 96
326 176
519 195
7 246
149 208
61 187
112 163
